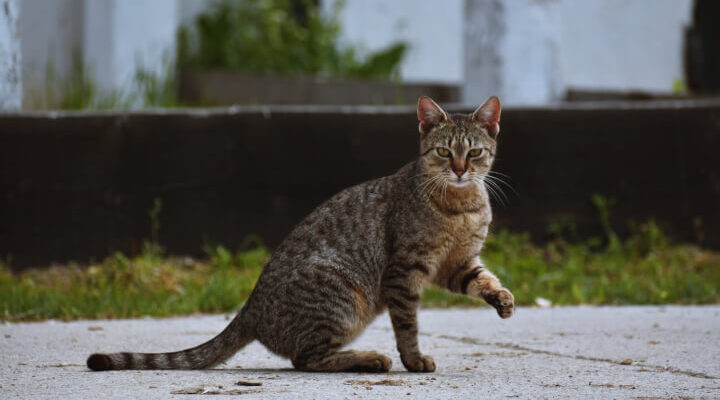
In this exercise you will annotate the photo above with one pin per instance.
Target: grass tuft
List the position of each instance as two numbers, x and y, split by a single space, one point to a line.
643 269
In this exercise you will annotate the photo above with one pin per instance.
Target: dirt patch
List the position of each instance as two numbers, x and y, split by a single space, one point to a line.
664 398
61 365
383 382
610 385
202 390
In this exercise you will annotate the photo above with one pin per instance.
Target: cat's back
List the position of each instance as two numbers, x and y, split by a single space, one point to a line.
346 231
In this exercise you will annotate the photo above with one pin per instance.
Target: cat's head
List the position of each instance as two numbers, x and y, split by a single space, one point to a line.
458 150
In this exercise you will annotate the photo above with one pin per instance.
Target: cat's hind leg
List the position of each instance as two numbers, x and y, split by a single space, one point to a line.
318 332
344 361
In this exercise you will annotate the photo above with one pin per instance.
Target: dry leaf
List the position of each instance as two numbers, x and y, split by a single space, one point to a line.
248 383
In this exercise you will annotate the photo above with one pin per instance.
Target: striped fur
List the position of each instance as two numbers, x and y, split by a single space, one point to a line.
206 355
369 248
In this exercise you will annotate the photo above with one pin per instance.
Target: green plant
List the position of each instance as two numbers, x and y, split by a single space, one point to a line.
266 36
563 227
75 91
122 287
603 206
153 246
79 90
679 86
157 89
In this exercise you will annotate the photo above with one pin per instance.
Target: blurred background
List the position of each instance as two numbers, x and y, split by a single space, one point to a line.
167 146
134 53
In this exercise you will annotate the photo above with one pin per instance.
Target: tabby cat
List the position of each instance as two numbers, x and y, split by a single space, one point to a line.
370 247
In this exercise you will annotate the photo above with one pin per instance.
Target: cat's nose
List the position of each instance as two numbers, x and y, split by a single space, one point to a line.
458 166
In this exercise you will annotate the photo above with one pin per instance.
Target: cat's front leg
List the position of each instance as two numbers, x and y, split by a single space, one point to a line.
401 292
475 280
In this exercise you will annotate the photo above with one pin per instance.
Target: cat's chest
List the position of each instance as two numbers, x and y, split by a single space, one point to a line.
463 239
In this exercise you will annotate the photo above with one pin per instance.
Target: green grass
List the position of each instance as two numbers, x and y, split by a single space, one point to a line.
79 90
643 269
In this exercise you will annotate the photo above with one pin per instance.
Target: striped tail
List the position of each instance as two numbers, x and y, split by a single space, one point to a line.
213 352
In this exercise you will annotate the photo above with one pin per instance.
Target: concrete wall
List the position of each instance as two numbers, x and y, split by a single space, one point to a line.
124 35
113 38
86 191
621 44
51 34
433 29
10 59
533 51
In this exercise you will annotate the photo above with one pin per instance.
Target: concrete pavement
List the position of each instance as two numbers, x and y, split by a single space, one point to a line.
568 352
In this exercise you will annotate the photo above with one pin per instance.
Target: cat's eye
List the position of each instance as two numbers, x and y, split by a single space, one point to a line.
475 152
443 152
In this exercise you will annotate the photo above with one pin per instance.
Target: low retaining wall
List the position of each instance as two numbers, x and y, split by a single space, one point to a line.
219 88
77 186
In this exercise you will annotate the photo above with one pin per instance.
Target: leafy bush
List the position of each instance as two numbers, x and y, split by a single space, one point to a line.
267 37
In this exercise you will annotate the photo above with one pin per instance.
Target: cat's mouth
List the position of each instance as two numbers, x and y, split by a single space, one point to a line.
460 182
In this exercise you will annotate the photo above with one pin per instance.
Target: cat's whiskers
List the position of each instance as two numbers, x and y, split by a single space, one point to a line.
430 184
493 188
496 182
427 183
477 178
424 183
437 186
421 174
496 177
445 185
498 173
497 187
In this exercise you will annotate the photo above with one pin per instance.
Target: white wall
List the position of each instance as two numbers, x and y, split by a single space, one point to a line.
124 35
112 37
189 9
51 35
10 71
433 29
622 44
525 51
532 72
542 48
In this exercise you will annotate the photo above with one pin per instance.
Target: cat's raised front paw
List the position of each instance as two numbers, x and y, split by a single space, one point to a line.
419 363
503 301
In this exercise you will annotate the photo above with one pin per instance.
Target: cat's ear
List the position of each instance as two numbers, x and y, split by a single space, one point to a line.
429 114
489 115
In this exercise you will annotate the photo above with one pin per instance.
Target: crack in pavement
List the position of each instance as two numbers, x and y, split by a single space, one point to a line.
654 368
512 346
